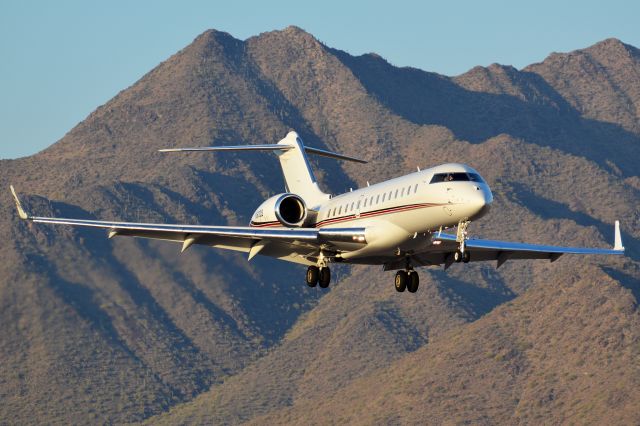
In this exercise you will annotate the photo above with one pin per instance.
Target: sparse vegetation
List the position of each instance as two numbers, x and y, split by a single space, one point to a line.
122 330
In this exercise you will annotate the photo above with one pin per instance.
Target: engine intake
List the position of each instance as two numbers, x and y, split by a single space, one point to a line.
290 210
287 210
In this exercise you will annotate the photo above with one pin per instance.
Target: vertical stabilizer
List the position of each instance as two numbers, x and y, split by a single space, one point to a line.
297 171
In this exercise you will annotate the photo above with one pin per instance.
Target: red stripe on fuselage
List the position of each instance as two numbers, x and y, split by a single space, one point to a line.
364 215
379 212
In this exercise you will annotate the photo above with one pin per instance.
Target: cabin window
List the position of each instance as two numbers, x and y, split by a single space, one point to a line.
383 196
377 198
415 189
340 210
352 204
365 203
396 194
358 205
408 189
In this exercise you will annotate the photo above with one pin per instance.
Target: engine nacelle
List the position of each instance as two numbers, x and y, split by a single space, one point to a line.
281 210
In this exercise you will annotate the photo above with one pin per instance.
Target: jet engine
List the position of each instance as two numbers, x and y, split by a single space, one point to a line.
281 210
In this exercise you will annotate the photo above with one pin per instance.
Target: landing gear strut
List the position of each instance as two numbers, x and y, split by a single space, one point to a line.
461 255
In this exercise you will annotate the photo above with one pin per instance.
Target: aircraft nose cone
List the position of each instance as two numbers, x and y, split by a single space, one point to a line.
481 200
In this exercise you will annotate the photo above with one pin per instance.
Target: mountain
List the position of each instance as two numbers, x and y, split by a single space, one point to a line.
126 330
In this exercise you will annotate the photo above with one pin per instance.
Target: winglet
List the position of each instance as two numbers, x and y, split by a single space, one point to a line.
21 212
617 245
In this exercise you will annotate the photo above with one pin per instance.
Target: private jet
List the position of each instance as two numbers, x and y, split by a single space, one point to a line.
398 223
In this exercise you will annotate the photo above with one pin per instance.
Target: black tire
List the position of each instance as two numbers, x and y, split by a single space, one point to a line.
401 281
457 256
413 282
325 277
466 257
313 274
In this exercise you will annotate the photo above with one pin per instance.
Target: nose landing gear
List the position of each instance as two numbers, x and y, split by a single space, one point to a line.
461 255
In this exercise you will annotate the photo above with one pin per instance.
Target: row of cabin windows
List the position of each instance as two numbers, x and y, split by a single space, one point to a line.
372 200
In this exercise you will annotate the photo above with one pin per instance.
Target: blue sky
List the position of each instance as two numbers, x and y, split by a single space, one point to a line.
61 60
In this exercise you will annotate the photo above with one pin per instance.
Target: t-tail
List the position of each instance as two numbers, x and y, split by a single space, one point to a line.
293 159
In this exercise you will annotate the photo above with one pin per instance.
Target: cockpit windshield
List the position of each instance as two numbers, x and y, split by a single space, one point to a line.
456 177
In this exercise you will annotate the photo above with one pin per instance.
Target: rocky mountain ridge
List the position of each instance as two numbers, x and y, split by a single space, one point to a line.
125 330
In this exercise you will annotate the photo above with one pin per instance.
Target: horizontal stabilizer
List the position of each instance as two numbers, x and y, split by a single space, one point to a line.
263 147
266 147
330 154
292 154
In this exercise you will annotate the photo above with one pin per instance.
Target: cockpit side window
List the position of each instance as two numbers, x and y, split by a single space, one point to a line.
455 177
475 177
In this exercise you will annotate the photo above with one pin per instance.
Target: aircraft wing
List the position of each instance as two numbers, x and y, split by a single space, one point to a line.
293 244
501 251
444 245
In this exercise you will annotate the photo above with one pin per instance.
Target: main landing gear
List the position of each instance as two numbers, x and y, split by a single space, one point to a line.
408 279
318 275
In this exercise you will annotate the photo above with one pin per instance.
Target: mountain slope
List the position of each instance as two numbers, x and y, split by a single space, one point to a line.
562 353
123 330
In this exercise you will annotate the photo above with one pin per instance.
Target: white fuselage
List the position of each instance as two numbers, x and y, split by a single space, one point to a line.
400 213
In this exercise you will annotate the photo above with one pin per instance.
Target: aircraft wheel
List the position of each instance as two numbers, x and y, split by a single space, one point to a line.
401 281
413 282
457 256
325 277
312 276
466 257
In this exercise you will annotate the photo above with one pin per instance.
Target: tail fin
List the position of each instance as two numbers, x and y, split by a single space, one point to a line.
297 171
293 160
